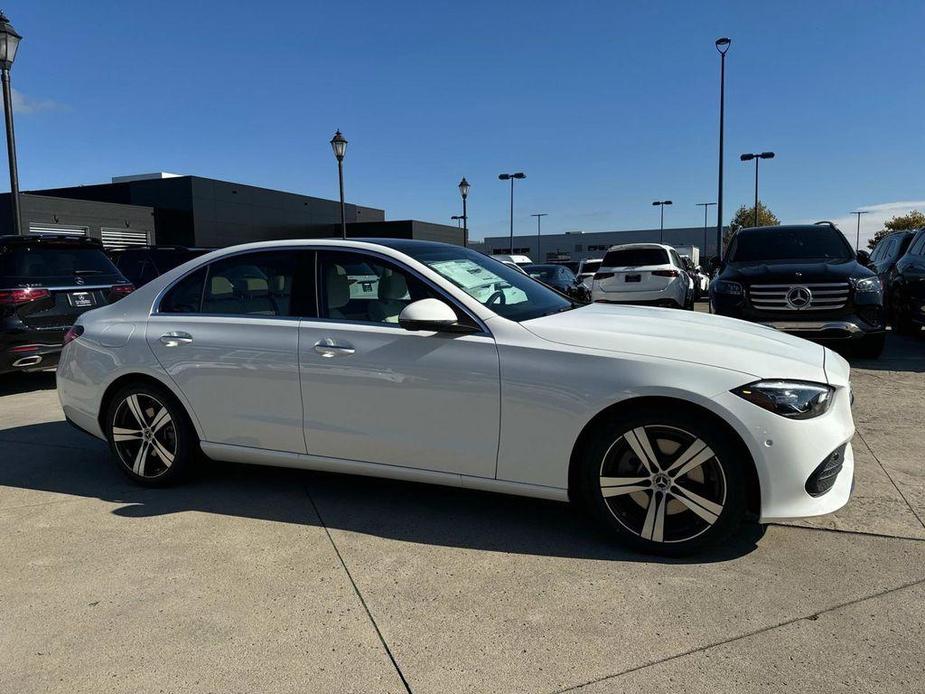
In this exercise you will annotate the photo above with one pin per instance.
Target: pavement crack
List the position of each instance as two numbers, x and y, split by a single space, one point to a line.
356 589
841 531
890 477
700 649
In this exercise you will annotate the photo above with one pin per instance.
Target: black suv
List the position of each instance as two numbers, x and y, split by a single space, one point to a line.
141 265
45 283
907 287
805 280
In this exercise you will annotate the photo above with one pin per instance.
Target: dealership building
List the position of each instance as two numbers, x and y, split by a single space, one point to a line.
169 209
578 245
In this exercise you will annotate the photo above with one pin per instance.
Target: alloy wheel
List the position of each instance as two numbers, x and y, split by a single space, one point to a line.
663 483
144 435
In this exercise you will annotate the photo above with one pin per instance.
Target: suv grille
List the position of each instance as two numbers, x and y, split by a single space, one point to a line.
799 297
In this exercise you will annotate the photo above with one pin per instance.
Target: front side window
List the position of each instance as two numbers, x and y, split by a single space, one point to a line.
363 288
506 291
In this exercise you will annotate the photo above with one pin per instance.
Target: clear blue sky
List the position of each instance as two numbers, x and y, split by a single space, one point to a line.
606 106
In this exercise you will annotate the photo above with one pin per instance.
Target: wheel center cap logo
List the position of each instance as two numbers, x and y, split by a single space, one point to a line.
662 482
799 297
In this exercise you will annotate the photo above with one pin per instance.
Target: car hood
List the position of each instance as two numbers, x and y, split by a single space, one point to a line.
699 338
790 271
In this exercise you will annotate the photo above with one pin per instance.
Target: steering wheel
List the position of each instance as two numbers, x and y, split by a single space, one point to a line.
497 298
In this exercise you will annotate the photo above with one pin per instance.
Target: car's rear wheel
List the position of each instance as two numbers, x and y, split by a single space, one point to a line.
664 483
151 439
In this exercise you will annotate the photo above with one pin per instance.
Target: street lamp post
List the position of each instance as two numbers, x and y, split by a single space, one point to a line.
339 145
538 217
661 229
9 42
857 241
722 45
756 157
464 192
705 206
511 177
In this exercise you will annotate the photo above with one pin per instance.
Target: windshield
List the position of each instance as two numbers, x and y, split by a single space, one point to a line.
789 244
504 290
635 257
47 260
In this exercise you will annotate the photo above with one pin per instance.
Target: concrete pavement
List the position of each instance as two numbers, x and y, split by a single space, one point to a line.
250 579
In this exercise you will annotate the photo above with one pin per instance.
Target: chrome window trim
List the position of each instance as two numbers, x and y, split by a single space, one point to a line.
156 303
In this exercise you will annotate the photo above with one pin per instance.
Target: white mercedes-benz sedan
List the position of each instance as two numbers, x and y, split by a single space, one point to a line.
433 363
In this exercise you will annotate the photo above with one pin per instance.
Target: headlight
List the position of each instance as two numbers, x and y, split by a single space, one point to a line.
868 284
727 287
791 399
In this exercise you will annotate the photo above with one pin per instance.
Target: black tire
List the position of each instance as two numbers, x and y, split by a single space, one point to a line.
687 526
164 432
900 322
870 346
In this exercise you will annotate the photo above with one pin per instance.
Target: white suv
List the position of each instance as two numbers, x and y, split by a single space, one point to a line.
642 273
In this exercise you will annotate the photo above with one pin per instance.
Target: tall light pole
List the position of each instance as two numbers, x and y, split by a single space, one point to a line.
538 216
511 177
661 228
722 45
339 145
857 242
464 193
9 42
756 157
705 206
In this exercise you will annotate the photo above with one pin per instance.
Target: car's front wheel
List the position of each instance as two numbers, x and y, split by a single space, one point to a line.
663 482
149 434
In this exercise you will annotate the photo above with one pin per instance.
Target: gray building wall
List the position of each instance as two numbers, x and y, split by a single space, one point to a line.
43 210
593 244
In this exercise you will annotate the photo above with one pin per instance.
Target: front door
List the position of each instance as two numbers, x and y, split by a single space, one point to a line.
375 392
228 336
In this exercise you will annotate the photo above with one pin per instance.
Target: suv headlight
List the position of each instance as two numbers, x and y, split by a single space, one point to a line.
868 284
727 287
791 399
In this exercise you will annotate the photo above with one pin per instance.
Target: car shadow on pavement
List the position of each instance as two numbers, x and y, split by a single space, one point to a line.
902 353
14 384
389 509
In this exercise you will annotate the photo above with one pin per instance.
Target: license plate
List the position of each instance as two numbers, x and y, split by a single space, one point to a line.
81 299
632 278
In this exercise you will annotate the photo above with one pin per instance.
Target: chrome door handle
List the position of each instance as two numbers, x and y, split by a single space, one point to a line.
327 347
175 339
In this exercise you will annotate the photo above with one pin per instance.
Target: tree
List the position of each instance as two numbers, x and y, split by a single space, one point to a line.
903 222
745 218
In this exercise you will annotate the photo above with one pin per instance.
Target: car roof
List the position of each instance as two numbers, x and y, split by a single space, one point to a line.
624 246
788 227
57 239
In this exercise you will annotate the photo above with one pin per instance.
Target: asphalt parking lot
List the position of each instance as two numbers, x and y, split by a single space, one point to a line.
261 580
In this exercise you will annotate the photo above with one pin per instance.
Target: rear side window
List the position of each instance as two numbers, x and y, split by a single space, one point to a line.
186 295
919 246
45 260
635 257
252 284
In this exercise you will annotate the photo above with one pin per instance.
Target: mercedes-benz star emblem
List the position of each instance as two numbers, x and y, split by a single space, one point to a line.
799 297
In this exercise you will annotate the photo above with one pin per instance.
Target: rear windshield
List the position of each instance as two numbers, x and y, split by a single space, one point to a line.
789 244
46 260
544 273
636 257
590 266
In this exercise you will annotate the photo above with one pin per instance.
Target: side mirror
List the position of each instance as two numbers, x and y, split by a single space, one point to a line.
864 258
431 314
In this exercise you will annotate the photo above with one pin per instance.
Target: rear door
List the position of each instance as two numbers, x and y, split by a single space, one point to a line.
634 270
228 335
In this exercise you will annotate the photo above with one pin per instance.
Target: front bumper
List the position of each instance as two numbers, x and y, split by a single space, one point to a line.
788 452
